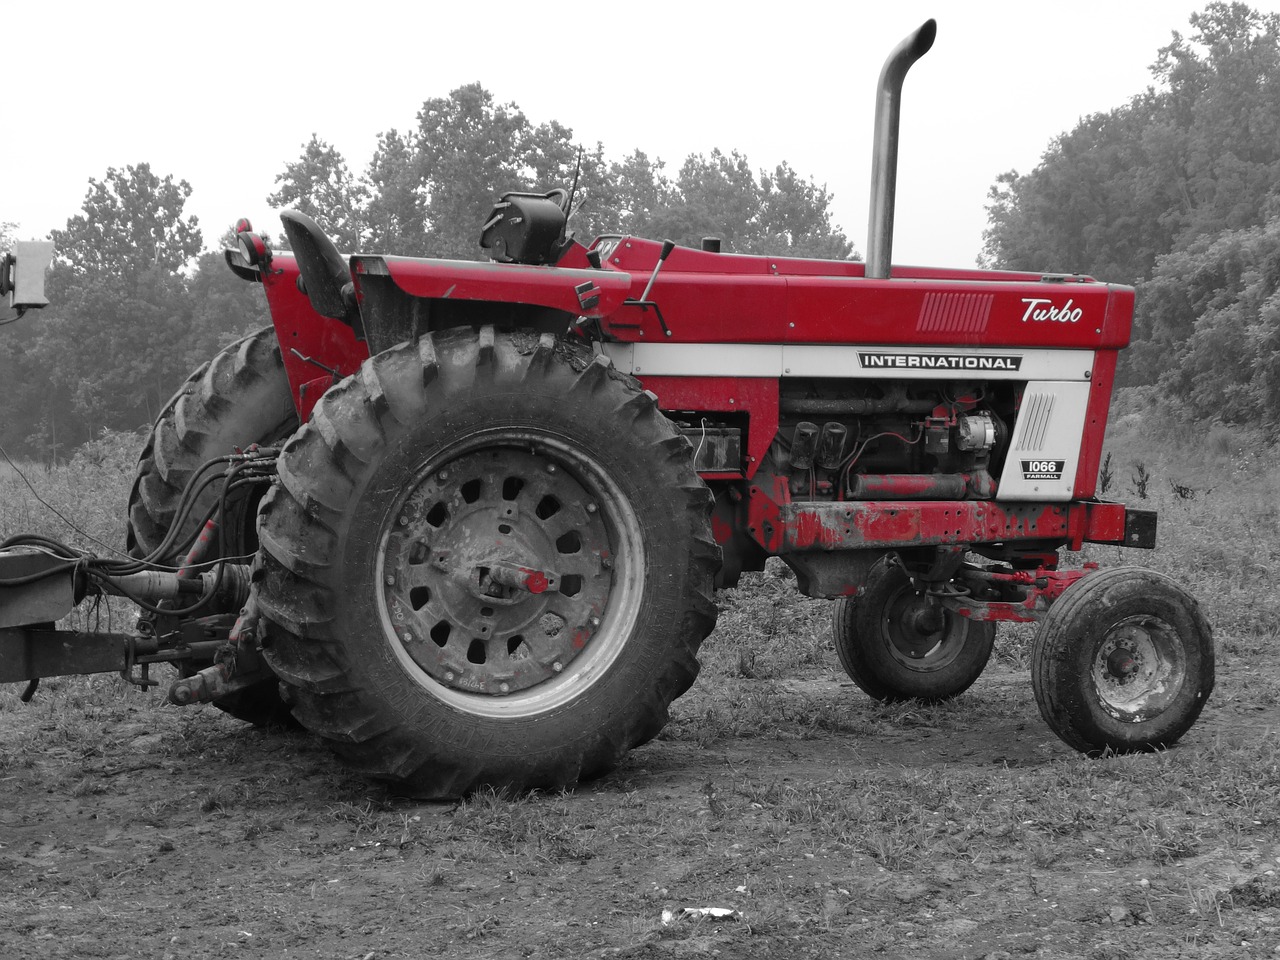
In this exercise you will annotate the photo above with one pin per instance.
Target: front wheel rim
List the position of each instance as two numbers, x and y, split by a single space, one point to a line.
510 573
1139 668
912 640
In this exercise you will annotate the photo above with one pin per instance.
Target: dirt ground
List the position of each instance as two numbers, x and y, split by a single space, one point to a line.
129 829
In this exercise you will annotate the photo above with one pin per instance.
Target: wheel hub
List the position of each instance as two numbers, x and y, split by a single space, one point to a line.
1123 663
497 569
1139 668
917 630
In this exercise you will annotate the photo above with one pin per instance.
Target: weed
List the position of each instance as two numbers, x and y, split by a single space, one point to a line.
1141 480
1106 474
1165 845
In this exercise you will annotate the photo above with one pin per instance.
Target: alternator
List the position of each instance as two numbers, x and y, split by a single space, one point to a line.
975 431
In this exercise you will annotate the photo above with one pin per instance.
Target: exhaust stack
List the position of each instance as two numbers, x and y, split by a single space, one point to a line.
884 149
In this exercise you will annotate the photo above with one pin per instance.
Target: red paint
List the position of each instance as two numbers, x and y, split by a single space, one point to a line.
882 524
721 529
756 397
1044 586
506 282
721 298
298 327
1095 421
199 550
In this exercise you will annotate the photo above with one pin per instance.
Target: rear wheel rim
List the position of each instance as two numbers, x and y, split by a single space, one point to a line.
461 622
1139 668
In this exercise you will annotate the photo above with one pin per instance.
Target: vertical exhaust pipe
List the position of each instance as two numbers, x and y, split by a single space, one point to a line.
884 149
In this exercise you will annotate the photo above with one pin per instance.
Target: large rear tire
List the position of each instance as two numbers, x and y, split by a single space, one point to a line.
1123 661
238 398
488 562
896 646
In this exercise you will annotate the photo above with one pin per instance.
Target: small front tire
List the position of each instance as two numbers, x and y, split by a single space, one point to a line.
895 645
1123 661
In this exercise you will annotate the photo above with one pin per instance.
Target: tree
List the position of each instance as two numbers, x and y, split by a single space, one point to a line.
132 222
1209 325
626 196
112 346
320 185
396 214
426 192
1222 96
1089 207
779 214
1163 193
469 150
1199 155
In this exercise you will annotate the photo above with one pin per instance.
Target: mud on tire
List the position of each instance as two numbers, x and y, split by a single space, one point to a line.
239 397
1123 661
488 562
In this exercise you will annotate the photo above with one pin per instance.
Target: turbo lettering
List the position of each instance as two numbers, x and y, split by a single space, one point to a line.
1062 314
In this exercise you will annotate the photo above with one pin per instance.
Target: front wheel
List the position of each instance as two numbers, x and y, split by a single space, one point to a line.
897 644
1123 661
488 563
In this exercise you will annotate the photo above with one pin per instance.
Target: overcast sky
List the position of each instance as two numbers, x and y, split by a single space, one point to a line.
223 95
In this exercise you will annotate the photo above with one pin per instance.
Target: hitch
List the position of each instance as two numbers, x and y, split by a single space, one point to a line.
38 588
237 664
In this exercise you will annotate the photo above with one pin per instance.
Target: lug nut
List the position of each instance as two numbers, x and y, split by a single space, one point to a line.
448 675
591 508
391 581
442 475
557 666
404 521
504 688
551 468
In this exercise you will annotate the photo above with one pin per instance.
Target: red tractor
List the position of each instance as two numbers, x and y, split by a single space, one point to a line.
488 503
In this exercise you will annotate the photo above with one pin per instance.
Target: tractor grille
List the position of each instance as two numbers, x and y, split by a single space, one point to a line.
1037 411
955 312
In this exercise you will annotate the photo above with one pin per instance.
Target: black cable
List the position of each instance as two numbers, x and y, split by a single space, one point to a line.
103 570
48 506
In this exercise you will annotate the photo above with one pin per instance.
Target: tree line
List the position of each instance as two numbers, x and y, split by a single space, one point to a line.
1177 192
136 304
